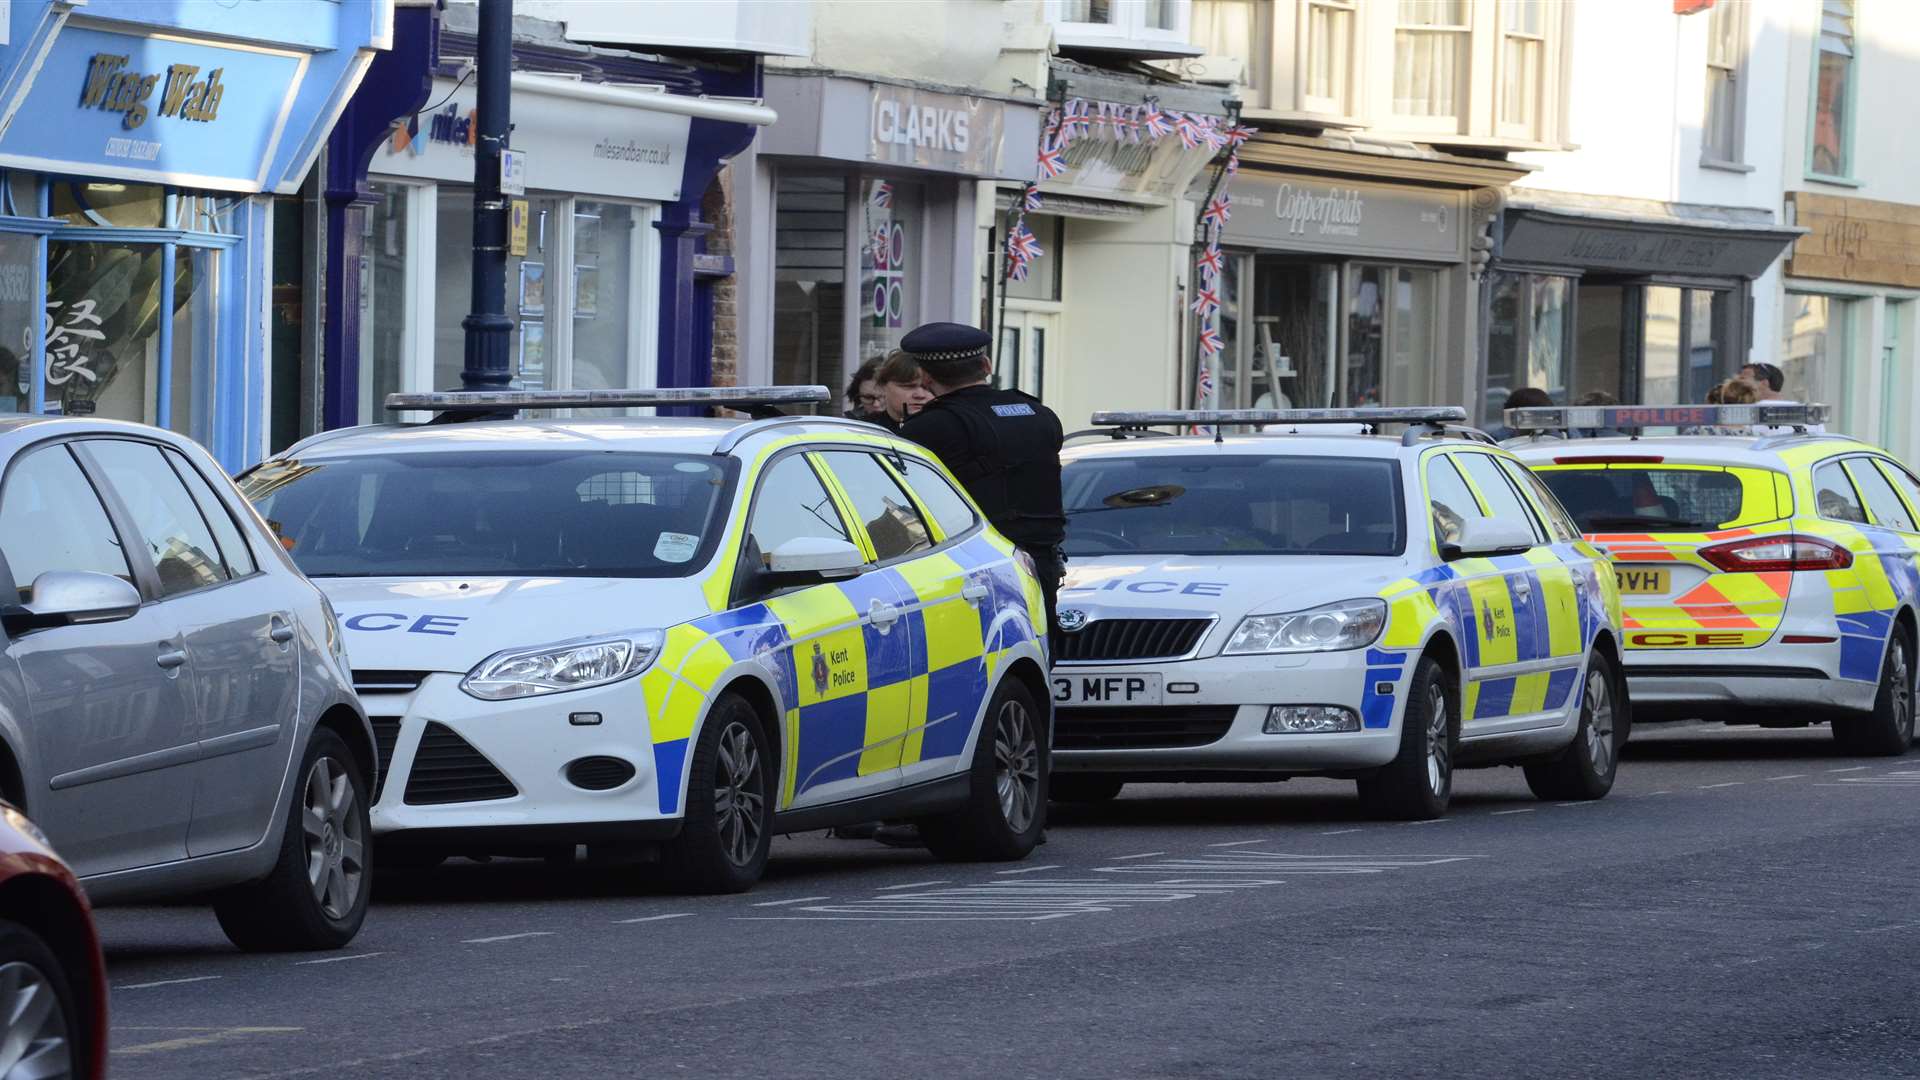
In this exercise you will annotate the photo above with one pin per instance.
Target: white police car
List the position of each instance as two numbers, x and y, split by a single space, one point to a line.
1362 606
686 634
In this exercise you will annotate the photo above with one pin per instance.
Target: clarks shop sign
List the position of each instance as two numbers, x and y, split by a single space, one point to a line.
928 130
1301 213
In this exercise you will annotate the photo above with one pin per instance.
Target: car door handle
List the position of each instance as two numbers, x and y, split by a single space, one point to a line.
281 632
1523 587
171 656
974 593
883 615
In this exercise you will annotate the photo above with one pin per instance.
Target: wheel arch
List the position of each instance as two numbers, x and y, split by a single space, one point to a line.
353 730
48 908
760 698
1446 652
1034 681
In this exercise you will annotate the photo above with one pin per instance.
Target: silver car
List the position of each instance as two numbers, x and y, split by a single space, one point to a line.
175 710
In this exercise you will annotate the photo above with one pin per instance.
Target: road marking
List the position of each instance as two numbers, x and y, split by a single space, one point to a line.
1142 855
1030 869
1237 843
1790 776
1730 783
167 982
795 900
1886 929
1330 832
656 918
1856 768
1651 794
1583 802
505 937
1527 810
912 885
187 1042
337 959
1903 777
1429 821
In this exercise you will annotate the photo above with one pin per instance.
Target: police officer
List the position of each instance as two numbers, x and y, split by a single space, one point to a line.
1002 445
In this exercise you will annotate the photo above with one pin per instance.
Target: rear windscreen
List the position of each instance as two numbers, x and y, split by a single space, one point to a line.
1641 498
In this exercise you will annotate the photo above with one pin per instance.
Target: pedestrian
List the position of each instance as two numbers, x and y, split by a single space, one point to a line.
1002 445
1769 380
903 388
863 393
1735 391
1527 397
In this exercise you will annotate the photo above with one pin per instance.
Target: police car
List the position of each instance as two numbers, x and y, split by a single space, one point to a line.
682 634
1378 608
1767 579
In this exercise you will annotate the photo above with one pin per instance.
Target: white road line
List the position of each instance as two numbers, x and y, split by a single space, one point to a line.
167 982
1338 832
1856 768
1030 869
914 885
1790 776
505 937
795 900
1142 855
1527 810
208 1038
1237 843
656 918
1650 794
1429 821
1730 783
337 959
1583 802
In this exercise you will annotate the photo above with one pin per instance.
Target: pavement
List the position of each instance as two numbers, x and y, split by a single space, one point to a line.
1743 904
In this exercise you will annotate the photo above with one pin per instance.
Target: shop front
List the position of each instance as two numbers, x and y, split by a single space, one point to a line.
860 220
1649 303
133 235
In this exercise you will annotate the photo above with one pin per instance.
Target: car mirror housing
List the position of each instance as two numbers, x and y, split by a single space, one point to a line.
814 558
69 597
1482 537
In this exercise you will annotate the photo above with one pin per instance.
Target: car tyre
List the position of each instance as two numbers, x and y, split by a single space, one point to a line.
1586 768
723 842
1006 808
315 897
41 1036
1083 787
1887 731
1417 784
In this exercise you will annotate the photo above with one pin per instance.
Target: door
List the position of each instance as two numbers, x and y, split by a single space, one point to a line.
109 700
826 659
239 635
1892 532
1566 577
1027 339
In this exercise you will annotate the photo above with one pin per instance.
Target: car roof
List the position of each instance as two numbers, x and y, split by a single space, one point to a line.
1763 451
655 434
1284 443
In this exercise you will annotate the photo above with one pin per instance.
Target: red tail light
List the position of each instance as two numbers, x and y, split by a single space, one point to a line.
1771 554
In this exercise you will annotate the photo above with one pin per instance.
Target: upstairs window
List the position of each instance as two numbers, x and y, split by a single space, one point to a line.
1830 152
1430 40
1523 47
1726 98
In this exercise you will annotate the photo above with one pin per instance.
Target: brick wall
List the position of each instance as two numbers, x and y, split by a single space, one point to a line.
716 208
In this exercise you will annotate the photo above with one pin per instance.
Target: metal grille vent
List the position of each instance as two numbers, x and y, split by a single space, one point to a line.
599 773
447 769
1130 639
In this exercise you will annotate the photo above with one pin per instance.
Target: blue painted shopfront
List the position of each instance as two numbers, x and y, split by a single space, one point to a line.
140 141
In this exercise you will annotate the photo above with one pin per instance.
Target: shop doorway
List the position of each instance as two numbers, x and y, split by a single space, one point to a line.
1027 339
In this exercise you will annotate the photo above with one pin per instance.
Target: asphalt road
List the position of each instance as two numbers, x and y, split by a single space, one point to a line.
1744 904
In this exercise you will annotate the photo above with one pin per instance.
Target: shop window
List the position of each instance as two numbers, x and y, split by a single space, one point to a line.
385 332
1523 48
809 280
1430 41
1284 357
893 264
114 349
533 293
1830 145
18 254
109 203
603 282
1389 354
1660 353
1601 343
1722 136
1529 337
1814 358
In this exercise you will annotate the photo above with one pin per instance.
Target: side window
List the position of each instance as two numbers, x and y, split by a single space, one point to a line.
233 544
51 519
1834 495
949 508
1502 500
792 503
1888 511
1903 481
1558 522
892 522
176 536
1453 501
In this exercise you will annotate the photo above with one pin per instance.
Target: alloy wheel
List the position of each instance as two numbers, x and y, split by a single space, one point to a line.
1439 750
1016 766
1599 707
34 1044
336 844
1897 670
738 798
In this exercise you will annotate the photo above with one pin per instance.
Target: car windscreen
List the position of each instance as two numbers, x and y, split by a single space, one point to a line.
1233 504
520 513
1636 498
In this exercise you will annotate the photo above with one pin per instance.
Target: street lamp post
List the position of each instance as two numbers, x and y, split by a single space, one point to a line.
487 326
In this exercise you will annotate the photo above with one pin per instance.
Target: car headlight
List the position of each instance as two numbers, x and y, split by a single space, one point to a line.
1349 624
551 669
336 639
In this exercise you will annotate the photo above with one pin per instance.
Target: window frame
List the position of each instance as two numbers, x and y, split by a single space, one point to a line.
145 569
738 592
1864 463
177 461
1526 130
1127 23
1540 531
1848 98
1813 477
1445 457
1467 42
821 461
1735 68
139 574
945 538
1346 76
1545 504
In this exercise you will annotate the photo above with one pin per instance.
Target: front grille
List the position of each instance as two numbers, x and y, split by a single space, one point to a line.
1130 639
447 769
387 681
1140 728
386 732
599 773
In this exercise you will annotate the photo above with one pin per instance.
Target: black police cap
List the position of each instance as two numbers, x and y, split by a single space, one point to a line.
945 341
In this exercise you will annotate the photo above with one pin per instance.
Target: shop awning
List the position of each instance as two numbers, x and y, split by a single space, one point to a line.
1589 234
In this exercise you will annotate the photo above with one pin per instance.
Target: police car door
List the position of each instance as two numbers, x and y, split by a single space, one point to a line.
829 642
1892 529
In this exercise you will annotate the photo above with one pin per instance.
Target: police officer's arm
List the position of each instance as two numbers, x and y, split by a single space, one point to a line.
940 432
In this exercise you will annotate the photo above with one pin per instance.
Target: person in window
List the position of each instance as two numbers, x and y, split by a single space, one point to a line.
1527 397
1768 381
903 389
863 394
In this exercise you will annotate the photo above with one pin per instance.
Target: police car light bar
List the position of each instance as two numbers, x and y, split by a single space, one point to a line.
732 397
1411 414
1627 417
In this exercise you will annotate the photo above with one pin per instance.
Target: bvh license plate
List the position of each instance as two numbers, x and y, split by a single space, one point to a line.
1640 580
1141 689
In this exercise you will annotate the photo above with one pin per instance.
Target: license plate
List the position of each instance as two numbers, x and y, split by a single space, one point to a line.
1142 689
1642 581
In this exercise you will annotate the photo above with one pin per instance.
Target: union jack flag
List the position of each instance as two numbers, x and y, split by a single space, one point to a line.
1233 162
883 195
1051 163
1210 345
1075 120
1030 199
1202 396
1155 121
1206 302
1211 131
1210 263
1218 210
1189 131
1238 134
1022 245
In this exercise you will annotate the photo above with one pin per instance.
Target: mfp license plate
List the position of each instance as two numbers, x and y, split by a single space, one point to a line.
1142 689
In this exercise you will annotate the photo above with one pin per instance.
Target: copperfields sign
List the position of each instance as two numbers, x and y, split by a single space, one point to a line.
112 87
